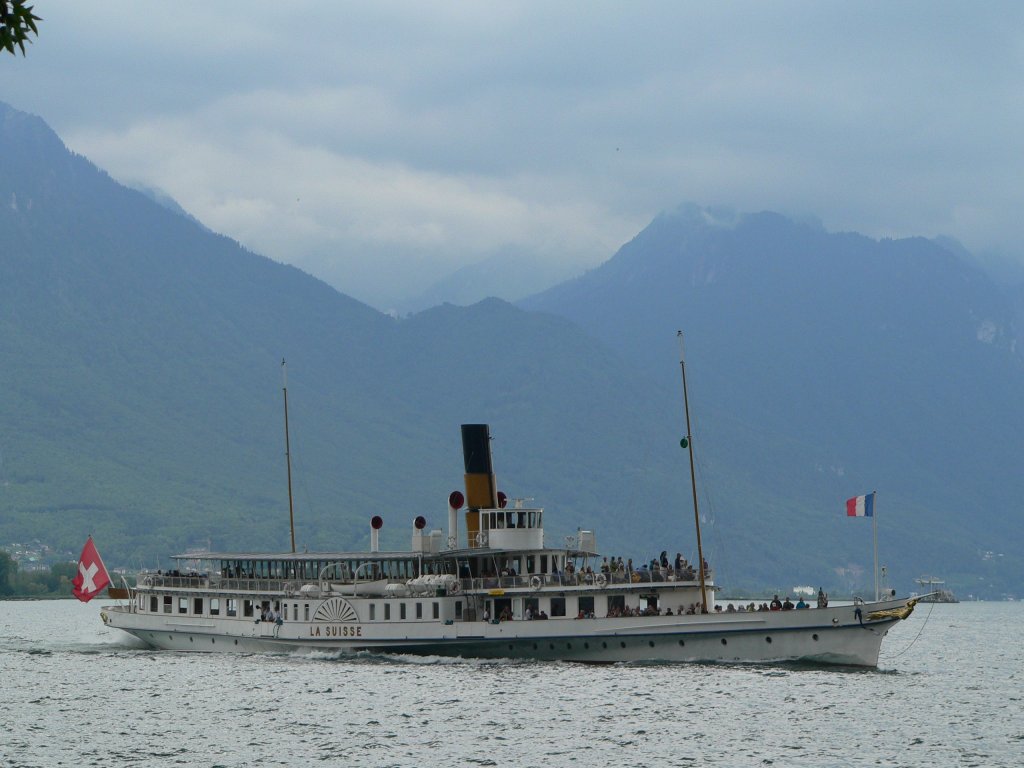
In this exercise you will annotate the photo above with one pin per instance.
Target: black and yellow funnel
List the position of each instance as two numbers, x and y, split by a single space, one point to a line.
481 486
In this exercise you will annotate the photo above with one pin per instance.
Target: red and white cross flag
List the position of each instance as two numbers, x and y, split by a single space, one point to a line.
92 575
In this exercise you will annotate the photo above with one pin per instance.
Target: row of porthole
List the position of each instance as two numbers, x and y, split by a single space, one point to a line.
551 646
604 645
191 639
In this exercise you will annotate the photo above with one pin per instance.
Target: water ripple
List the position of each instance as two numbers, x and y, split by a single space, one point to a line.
84 695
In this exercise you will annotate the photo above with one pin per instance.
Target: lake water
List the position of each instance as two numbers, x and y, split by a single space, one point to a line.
948 692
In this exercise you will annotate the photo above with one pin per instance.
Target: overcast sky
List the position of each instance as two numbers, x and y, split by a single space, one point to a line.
381 145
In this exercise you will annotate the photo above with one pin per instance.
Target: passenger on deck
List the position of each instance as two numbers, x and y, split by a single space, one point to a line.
822 599
787 605
800 604
776 604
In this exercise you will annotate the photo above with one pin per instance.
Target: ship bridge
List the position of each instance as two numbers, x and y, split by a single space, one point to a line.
516 528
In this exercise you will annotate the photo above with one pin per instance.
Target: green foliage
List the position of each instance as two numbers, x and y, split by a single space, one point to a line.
17 22
55 582
8 569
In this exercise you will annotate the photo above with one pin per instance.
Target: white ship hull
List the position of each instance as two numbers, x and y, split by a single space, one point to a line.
839 635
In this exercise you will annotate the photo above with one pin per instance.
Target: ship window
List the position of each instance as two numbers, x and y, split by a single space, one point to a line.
586 605
530 563
458 609
401 611
305 611
616 605
231 606
167 603
544 564
419 610
558 606
247 608
197 606
387 611
373 611
437 610
531 604
154 604
215 606
182 605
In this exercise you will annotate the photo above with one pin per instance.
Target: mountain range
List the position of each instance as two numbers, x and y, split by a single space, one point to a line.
140 360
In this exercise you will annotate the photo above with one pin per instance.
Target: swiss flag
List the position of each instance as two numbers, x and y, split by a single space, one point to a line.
92 576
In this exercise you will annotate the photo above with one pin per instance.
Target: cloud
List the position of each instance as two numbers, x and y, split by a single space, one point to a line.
345 217
380 145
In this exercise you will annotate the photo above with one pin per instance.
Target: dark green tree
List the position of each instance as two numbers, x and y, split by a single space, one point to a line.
61 575
8 568
17 22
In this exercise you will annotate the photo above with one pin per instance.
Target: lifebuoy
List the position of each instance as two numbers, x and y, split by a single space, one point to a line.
481 539
600 579
536 582
454 588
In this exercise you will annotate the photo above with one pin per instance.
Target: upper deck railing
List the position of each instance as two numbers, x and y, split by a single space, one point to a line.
569 580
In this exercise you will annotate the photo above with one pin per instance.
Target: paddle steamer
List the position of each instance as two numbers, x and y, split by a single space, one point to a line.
493 589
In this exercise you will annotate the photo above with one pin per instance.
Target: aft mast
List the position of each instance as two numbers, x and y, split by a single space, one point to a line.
288 452
687 442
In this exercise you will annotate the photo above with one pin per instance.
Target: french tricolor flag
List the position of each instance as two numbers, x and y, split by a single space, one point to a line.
861 506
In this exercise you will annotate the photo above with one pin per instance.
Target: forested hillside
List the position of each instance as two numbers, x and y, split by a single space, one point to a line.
140 361
844 364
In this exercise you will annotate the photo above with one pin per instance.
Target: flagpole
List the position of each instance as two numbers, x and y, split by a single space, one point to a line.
874 537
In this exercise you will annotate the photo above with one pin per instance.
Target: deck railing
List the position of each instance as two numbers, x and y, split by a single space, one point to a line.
201 581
